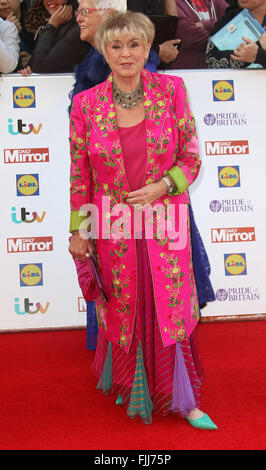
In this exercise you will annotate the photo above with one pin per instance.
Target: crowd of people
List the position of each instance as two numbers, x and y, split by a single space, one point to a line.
45 36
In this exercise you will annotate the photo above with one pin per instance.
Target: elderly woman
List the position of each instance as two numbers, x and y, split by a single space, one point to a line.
246 53
134 150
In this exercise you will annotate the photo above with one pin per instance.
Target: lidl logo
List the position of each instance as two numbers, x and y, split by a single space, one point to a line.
28 185
24 97
235 264
31 275
228 176
223 90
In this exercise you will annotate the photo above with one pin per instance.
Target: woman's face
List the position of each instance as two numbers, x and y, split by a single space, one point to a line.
53 5
9 6
88 19
126 55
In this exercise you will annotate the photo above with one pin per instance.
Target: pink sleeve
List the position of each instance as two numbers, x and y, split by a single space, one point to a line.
187 157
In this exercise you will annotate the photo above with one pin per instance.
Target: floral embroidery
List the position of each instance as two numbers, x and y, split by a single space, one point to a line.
174 273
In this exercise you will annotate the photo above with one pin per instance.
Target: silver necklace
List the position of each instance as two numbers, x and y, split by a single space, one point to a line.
128 100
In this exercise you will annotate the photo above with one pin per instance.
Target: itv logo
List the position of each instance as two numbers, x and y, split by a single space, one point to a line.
27 307
22 128
18 216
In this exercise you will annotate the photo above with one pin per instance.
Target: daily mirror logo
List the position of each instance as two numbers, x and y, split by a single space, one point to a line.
39 155
223 90
237 234
230 147
29 244
24 97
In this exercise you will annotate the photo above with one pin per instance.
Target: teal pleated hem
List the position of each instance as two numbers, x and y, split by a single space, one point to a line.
140 403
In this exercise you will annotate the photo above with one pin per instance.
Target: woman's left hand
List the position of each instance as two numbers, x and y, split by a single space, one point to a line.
147 194
246 52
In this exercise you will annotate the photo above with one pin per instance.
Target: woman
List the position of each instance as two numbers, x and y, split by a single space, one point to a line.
9 46
196 20
92 71
58 48
133 143
246 53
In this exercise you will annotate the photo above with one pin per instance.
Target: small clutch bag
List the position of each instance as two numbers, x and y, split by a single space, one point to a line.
89 278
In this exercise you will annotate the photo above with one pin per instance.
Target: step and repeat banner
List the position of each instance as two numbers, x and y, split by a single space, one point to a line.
39 287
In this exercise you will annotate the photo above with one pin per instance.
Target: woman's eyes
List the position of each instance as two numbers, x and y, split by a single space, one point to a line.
117 46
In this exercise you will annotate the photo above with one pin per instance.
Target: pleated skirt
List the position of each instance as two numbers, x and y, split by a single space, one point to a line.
149 379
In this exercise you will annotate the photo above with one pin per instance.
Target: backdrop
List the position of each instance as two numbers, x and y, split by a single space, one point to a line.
38 280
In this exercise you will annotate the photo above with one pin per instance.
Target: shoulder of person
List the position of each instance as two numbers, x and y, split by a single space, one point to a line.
7 26
162 80
93 94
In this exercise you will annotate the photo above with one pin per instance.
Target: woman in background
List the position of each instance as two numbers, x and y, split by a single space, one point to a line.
196 20
246 53
58 48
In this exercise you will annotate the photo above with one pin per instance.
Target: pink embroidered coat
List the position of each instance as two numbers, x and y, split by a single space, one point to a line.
98 177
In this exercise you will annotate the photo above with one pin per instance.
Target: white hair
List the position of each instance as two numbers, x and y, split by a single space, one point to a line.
119 5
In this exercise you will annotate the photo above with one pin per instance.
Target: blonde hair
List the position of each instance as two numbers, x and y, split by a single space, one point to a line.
118 23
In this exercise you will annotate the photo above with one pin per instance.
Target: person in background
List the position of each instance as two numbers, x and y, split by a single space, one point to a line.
138 147
94 69
12 10
58 46
9 46
196 20
246 53
167 50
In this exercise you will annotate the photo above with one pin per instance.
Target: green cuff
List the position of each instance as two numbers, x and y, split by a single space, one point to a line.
76 220
179 179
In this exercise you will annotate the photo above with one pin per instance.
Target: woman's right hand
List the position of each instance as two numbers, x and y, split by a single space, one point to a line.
25 72
61 16
80 246
262 41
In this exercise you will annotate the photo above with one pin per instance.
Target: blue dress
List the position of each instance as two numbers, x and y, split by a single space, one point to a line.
92 71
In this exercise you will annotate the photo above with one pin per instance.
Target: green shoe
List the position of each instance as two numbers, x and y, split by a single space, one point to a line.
119 400
202 423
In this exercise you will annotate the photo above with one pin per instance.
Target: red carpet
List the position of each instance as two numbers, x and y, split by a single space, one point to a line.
49 401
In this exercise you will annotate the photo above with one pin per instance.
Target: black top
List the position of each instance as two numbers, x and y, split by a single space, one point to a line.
59 50
148 7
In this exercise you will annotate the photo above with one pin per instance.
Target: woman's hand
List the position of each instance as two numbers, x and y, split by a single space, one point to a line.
25 72
168 52
148 194
13 19
80 246
246 52
61 16
263 41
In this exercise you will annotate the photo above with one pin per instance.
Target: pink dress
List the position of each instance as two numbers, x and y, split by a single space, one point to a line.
150 378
